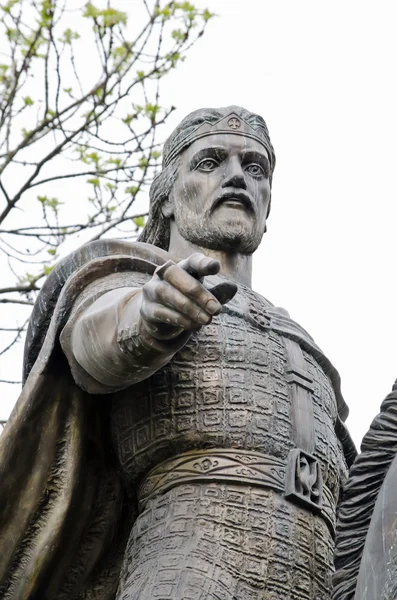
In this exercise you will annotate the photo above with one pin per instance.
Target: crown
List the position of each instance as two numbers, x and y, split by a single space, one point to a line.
231 123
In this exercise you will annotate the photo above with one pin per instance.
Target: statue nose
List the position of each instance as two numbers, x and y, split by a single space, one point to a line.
236 181
235 177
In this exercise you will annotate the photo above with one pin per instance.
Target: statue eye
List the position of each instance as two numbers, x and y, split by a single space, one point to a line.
207 165
255 170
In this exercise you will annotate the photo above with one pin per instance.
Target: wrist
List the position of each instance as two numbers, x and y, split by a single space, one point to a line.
142 340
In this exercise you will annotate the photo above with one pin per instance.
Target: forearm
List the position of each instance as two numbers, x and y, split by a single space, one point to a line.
110 343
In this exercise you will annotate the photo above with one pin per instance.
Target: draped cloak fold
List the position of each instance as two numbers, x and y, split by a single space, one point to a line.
64 514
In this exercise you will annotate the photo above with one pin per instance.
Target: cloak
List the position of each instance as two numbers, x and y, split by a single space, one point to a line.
64 514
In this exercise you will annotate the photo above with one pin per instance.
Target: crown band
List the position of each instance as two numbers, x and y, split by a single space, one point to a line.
231 124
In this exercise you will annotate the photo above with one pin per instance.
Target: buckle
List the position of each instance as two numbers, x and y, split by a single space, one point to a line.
304 481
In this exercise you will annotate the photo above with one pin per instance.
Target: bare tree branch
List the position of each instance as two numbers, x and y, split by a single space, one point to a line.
15 301
98 132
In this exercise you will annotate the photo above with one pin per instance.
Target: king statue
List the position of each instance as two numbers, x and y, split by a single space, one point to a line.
177 437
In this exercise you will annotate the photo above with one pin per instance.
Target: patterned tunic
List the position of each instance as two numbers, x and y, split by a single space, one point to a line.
219 425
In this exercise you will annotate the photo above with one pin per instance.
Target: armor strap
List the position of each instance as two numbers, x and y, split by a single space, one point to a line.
304 482
301 384
239 467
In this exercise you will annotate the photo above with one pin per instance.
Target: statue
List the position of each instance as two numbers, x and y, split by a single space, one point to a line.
366 544
177 435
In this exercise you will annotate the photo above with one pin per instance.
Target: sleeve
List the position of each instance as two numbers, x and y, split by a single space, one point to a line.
106 346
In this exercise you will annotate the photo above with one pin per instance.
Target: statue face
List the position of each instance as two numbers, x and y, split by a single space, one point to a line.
221 197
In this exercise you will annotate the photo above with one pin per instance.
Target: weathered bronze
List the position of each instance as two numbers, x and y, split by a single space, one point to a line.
366 549
178 437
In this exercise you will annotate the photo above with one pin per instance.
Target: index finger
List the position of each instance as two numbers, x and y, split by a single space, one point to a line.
198 265
189 286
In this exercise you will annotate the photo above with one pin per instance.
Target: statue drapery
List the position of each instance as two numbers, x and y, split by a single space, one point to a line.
65 516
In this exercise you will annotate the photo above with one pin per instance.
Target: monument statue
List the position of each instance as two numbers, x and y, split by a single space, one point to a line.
366 548
177 437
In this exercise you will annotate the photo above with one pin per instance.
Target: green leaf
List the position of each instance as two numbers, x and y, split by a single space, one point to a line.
52 203
8 6
186 6
207 15
46 13
139 221
151 110
51 251
173 57
91 11
112 17
165 12
109 16
28 278
190 10
94 181
12 34
28 101
179 35
123 51
93 158
131 189
69 36
114 161
47 269
129 118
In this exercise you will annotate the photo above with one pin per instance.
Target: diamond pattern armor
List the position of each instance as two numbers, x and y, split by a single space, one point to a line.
229 387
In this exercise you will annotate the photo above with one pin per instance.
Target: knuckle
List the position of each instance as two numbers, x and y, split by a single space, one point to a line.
149 288
184 304
146 289
160 290
146 311
193 288
205 319
185 323
196 257
156 313
212 305
182 264
205 296
204 261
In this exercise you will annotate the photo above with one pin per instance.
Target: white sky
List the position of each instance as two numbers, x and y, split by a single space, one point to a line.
323 75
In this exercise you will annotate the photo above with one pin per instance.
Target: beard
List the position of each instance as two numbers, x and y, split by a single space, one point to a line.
227 232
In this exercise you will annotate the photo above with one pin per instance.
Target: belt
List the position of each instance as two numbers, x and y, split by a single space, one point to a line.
245 467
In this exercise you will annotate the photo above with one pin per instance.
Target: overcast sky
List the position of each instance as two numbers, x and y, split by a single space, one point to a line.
323 75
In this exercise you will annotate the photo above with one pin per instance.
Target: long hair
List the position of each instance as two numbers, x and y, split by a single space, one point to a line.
157 228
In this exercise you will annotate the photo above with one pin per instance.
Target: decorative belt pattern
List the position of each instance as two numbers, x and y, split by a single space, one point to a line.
230 466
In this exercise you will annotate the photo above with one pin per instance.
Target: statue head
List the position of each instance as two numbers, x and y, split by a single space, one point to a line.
215 182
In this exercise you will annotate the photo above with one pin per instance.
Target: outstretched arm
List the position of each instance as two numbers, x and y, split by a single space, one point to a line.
129 333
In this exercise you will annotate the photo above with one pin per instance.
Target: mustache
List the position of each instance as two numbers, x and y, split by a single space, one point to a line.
241 196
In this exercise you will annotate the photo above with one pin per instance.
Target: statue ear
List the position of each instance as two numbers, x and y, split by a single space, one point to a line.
270 205
167 206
